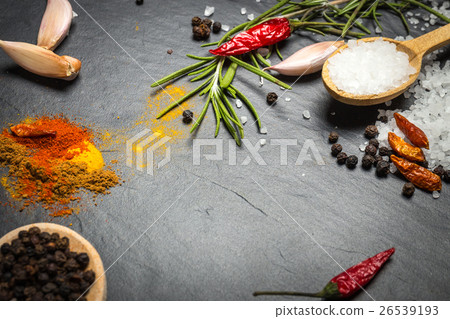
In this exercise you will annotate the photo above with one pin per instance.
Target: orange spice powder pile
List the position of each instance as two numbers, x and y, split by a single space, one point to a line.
45 169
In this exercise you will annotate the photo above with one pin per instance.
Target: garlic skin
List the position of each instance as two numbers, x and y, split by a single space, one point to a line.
55 24
41 61
308 60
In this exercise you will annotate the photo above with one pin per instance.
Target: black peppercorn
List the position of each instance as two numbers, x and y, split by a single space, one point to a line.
139 2
23 233
333 137
341 158
43 278
45 237
170 51
383 168
89 276
351 161
49 287
367 161
383 151
207 22
54 237
408 189
383 118
62 243
71 264
34 231
439 171
196 21
271 98
374 142
201 32
35 240
446 177
370 150
60 257
52 268
371 131
188 116
217 26
29 291
336 149
65 289
83 260
6 248
377 159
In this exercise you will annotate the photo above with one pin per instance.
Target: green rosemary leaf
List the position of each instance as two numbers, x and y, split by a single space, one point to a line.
348 25
247 102
229 76
218 116
270 52
202 114
359 25
209 44
400 14
262 60
277 50
255 63
201 70
208 88
315 31
201 58
233 113
232 92
349 6
179 73
258 19
206 72
259 72
374 15
230 127
225 113
184 98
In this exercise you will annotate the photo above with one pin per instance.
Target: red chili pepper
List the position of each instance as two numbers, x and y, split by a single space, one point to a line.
346 283
264 34
412 132
27 130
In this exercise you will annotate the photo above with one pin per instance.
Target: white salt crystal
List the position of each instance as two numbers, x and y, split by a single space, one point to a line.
378 30
243 11
432 21
263 130
261 81
436 194
362 147
225 27
238 103
74 15
306 114
209 11
262 141
258 0
333 113
288 99
251 16
392 168
369 67
388 103
282 88
244 119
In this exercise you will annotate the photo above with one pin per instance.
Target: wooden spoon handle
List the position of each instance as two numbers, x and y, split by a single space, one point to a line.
430 41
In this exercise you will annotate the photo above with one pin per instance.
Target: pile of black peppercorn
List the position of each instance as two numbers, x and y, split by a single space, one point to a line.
202 28
38 266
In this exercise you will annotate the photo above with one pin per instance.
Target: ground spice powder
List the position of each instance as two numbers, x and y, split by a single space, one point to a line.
52 170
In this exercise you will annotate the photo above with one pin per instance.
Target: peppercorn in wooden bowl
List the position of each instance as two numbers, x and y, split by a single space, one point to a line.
76 244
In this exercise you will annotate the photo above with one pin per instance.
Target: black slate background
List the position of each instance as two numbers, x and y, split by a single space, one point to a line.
225 237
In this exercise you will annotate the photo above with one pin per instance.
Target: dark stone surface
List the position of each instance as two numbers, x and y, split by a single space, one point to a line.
226 236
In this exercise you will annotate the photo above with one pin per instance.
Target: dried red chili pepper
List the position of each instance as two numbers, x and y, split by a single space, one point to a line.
346 283
27 130
412 132
405 149
418 175
264 34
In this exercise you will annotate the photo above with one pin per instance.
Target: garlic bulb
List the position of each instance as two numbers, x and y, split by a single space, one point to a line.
308 60
55 24
41 61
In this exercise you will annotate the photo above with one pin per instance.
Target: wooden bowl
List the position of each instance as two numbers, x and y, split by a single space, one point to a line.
77 244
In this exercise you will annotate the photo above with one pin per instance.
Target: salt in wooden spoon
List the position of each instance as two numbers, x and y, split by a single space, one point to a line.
415 48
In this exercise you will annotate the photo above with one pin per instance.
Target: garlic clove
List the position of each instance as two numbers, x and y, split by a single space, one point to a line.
41 61
308 60
55 24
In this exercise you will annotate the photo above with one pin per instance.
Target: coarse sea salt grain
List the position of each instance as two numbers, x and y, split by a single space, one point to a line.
243 11
209 11
244 119
306 114
225 27
430 111
251 16
288 99
369 67
263 130
238 103
262 141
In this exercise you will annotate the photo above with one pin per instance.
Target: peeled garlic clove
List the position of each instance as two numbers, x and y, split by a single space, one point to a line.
55 24
308 60
41 61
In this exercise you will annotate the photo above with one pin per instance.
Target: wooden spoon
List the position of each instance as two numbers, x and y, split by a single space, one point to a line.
415 48
77 244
